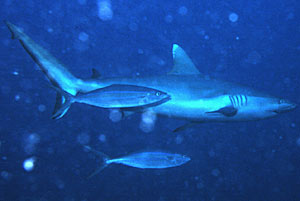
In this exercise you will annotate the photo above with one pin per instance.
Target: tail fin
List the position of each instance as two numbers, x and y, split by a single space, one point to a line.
63 103
105 159
53 69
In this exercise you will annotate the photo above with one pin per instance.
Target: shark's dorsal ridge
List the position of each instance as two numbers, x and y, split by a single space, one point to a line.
183 65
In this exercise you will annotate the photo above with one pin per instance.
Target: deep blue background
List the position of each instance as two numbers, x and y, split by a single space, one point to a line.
230 161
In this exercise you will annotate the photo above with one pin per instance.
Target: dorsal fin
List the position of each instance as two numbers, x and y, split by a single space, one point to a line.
183 65
95 74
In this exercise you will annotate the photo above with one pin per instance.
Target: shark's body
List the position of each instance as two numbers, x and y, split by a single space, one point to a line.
193 96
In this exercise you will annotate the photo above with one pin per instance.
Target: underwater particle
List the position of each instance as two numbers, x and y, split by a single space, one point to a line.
6 175
105 12
169 18
50 30
148 121
60 184
182 10
200 185
83 36
215 172
133 26
83 138
233 17
42 108
115 115
30 142
237 38
212 153
206 37
140 51
102 138
15 73
254 57
28 164
81 2
17 97
298 141
179 139
293 125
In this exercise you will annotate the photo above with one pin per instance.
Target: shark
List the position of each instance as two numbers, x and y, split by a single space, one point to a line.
193 96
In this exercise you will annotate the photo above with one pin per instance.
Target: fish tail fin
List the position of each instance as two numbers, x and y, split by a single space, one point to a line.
54 70
62 104
105 163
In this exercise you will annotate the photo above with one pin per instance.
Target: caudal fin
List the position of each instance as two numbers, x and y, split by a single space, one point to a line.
55 71
63 103
105 163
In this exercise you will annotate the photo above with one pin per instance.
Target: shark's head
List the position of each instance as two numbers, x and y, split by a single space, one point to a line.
277 105
247 107
264 107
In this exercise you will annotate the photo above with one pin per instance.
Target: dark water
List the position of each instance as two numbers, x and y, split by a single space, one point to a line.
255 43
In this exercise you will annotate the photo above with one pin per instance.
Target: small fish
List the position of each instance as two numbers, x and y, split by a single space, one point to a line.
113 96
143 160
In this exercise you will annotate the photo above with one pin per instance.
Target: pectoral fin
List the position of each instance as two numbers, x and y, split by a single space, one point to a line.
185 126
227 111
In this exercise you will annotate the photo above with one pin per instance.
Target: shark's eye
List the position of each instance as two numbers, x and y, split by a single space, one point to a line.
281 101
158 93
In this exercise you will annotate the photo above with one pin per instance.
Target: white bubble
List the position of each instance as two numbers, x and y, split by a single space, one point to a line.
15 73
182 10
115 115
83 36
104 10
102 138
233 17
237 38
33 138
149 117
169 19
42 108
17 97
148 121
30 142
28 164
83 138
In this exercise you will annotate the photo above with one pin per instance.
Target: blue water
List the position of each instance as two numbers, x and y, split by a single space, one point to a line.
255 43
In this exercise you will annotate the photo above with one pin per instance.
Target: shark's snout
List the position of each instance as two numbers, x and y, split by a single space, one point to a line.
285 106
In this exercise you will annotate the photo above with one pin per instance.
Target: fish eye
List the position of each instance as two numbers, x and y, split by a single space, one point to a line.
157 93
281 101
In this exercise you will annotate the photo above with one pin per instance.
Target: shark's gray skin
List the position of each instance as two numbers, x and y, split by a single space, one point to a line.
193 96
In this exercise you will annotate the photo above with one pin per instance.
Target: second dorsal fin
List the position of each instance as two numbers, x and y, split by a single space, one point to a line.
183 65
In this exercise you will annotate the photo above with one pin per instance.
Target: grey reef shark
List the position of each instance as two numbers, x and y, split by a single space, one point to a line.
193 96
